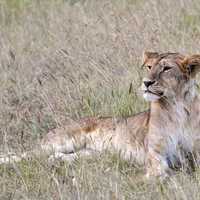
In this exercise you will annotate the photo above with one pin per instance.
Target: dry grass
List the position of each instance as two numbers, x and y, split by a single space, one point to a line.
78 58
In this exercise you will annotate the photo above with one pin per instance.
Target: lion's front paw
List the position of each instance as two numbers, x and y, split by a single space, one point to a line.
157 173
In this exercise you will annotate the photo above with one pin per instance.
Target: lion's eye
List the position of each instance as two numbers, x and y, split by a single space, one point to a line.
166 68
149 67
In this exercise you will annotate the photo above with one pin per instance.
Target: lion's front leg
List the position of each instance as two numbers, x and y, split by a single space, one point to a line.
157 165
158 157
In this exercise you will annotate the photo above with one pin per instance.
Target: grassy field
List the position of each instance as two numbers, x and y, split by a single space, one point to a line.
62 60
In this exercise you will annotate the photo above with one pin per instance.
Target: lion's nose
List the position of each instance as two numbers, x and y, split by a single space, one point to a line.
148 83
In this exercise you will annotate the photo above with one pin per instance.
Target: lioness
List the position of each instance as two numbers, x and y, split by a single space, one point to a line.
163 138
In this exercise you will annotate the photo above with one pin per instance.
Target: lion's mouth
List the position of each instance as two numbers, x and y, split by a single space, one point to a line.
154 93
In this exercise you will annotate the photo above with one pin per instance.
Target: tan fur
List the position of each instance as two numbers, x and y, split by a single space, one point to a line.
164 138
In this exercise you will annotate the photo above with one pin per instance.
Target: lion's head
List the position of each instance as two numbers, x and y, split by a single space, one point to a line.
169 75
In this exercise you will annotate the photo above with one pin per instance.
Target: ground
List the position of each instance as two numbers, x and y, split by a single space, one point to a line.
62 60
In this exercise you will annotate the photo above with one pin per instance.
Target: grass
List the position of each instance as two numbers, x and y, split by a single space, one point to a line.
103 177
69 59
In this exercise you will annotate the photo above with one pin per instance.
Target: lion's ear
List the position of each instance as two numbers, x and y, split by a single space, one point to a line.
191 65
149 55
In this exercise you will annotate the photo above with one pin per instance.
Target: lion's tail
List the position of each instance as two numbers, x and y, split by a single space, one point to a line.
13 157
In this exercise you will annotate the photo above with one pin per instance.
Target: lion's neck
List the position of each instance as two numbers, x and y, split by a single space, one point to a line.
174 123
180 112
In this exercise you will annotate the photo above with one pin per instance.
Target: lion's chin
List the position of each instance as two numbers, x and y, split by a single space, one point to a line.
148 96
